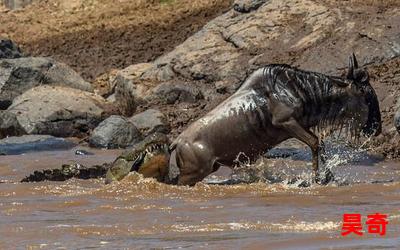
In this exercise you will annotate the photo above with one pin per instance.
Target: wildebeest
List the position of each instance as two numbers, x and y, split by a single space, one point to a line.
275 103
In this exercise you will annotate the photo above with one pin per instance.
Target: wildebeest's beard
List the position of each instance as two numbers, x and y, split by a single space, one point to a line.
360 78
340 111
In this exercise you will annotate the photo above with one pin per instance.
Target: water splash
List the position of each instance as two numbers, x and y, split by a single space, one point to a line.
292 166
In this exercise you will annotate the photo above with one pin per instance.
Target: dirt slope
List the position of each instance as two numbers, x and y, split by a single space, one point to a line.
95 36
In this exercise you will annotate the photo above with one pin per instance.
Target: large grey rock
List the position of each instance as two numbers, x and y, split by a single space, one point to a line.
28 143
134 88
9 50
9 125
129 90
59 111
173 93
114 132
150 121
20 74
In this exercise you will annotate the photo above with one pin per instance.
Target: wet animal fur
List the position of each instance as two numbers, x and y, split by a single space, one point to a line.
276 103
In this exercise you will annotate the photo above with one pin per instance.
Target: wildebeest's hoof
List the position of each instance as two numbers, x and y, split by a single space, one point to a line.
327 177
304 184
299 182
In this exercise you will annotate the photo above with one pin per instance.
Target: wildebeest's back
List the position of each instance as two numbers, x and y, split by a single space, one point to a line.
312 96
242 123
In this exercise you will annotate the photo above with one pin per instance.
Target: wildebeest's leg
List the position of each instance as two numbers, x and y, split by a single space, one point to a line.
328 175
298 132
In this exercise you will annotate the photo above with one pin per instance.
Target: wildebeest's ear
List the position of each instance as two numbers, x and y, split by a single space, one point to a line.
353 65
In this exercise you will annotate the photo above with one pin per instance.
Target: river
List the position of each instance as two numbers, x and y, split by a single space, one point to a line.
139 213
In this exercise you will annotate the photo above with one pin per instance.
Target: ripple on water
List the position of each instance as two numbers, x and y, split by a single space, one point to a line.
289 226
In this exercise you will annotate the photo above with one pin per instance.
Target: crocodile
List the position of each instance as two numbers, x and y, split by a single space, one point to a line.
148 157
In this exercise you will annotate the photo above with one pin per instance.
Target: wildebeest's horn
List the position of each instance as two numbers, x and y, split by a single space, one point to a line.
354 60
350 70
353 64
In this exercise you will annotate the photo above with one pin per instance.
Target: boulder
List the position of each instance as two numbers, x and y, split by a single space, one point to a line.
104 84
59 111
20 74
129 90
151 121
175 93
114 132
29 143
9 50
9 125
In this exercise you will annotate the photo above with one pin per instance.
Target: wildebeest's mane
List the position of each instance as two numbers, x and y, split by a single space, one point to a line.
321 76
307 85
319 94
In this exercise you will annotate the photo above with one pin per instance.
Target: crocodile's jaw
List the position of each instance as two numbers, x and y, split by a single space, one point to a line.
155 167
151 162
155 162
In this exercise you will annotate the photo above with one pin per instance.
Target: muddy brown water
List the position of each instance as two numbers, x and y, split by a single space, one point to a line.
140 213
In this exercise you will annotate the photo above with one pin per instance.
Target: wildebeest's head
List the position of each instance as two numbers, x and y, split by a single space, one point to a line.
360 85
